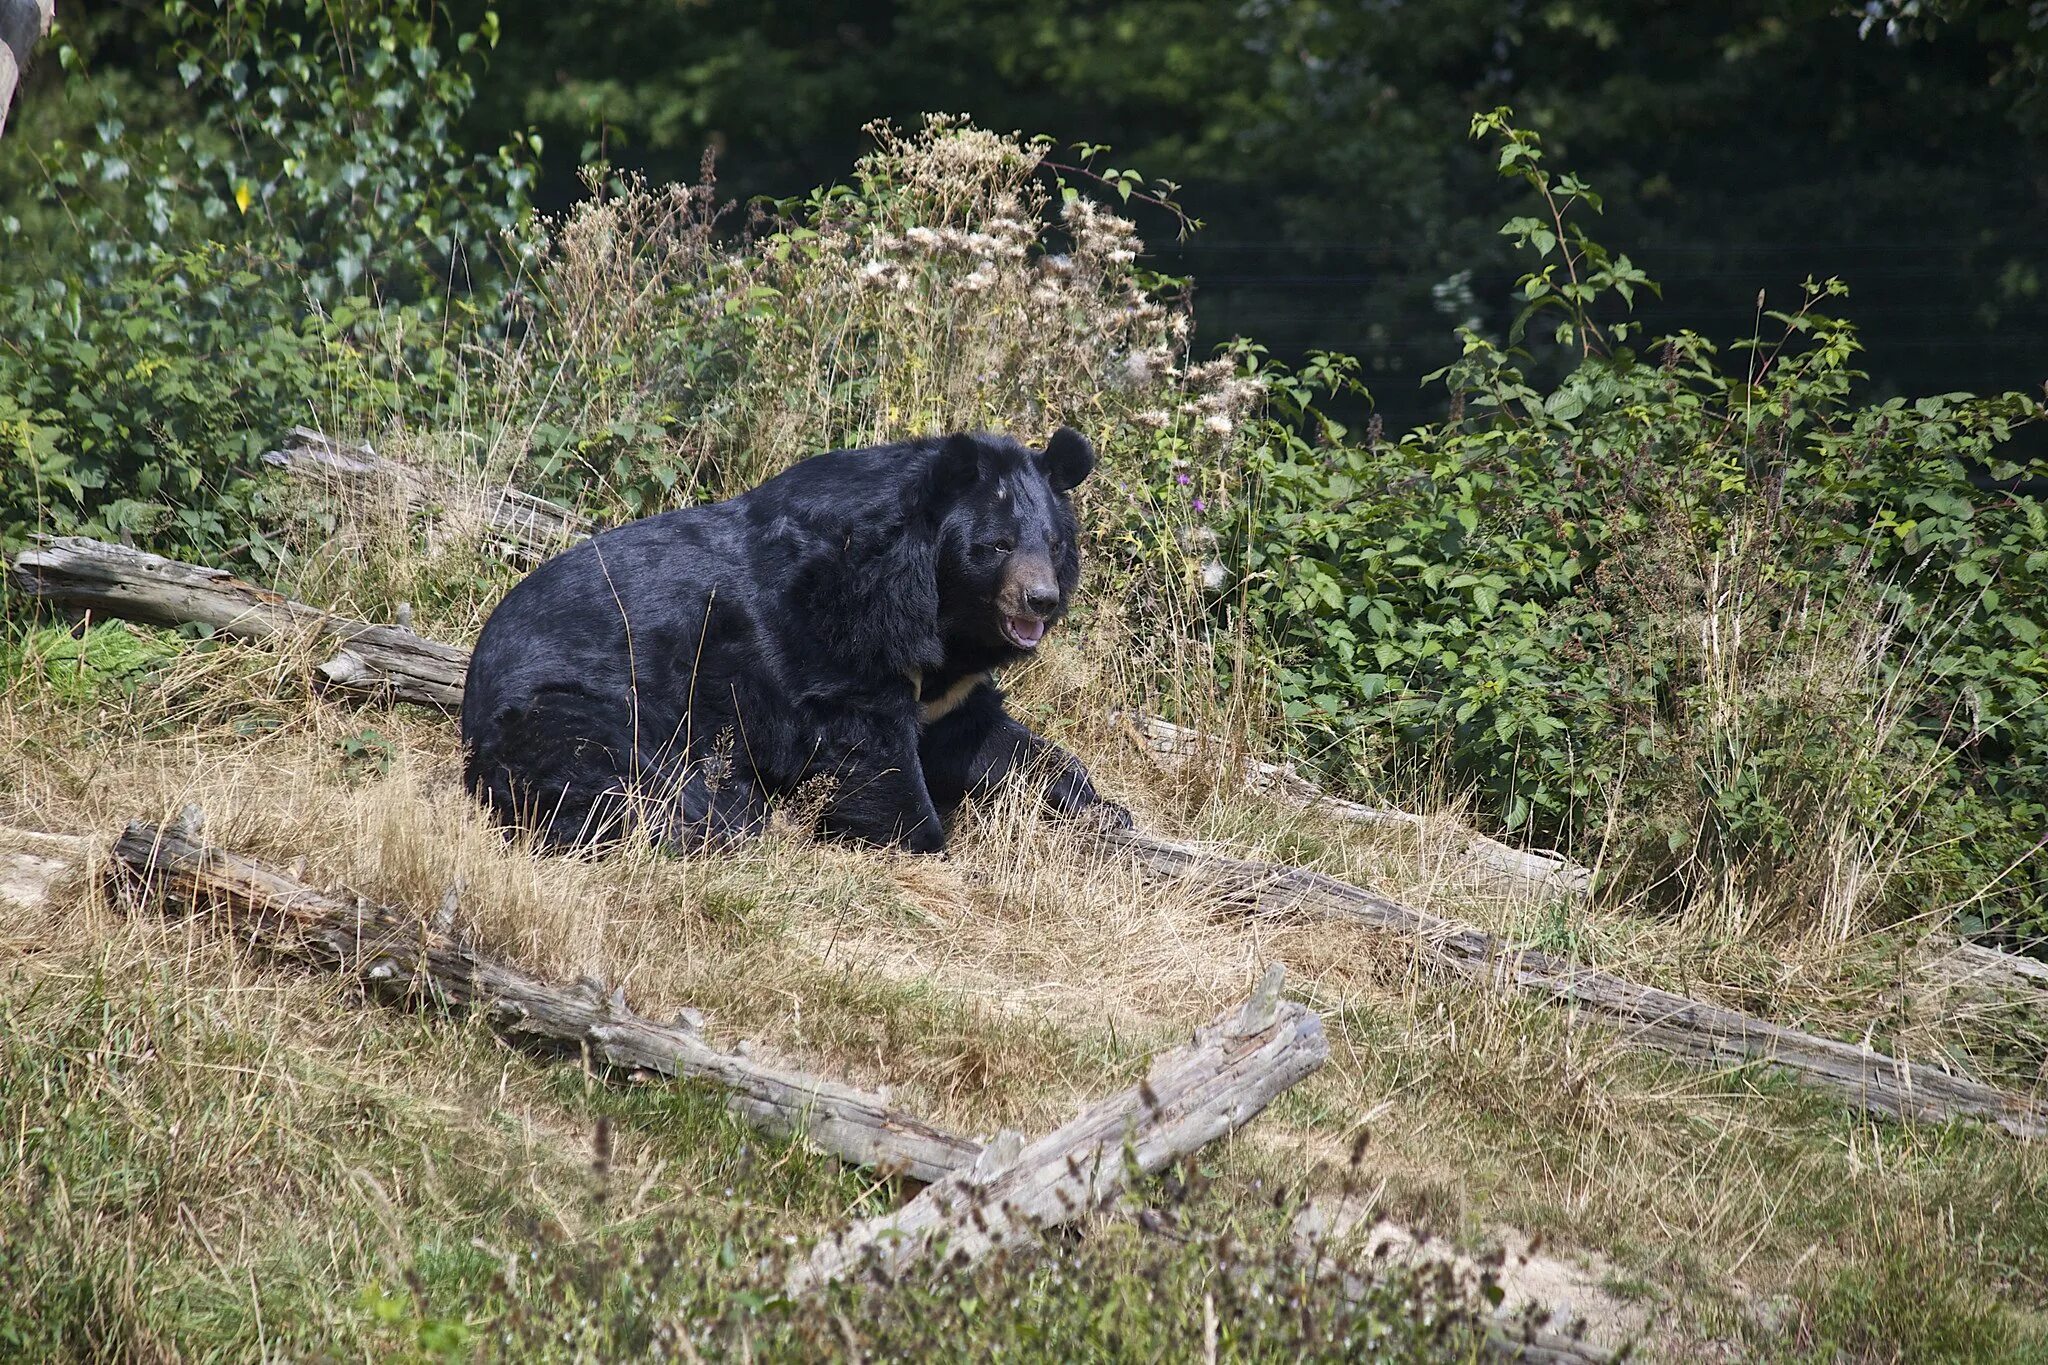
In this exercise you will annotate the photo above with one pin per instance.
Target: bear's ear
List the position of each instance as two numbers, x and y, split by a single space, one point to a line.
957 466
1068 458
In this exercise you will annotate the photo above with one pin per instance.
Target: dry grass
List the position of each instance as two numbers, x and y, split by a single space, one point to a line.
1006 985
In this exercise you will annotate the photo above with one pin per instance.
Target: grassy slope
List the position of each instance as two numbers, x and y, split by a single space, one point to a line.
214 1160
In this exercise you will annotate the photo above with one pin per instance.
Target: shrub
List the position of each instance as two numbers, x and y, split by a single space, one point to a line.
1712 621
293 237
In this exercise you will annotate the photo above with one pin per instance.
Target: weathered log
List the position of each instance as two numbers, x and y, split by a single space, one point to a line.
1647 1016
1191 1097
400 958
1975 965
523 528
1172 745
386 662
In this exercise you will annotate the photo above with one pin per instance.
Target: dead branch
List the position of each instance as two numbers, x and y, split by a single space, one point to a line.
519 526
1191 1097
386 662
1172 746
398 957
1648 1017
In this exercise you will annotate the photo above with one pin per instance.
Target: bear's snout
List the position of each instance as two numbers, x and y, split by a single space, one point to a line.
1029 599
1030 587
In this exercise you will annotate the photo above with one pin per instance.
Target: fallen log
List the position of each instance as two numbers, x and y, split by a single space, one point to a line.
392 662
1192 1096
1648 1017
523 528
400 958
386 662
1173 745
1975 965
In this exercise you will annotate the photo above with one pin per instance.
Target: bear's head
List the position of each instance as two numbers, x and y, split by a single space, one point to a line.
1007 558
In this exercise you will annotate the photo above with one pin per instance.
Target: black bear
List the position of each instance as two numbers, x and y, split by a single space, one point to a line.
840 621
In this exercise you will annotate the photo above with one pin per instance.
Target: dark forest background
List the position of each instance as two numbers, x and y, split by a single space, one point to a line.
1741 147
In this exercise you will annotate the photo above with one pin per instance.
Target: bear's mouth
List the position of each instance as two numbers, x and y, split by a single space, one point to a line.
1024 631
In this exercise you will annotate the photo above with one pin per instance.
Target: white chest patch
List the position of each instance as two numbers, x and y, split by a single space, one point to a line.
936 708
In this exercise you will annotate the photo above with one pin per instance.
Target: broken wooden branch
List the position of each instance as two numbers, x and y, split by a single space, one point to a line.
399 957
1648 1017
386 662
1173 745
523 528
1192 1096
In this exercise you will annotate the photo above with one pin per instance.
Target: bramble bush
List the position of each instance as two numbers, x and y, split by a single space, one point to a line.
1707 618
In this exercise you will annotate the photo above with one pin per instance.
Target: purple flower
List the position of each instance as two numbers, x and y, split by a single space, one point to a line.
1183 480
1201 506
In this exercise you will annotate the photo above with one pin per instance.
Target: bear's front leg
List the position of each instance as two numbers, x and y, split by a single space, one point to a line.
978 745
878 787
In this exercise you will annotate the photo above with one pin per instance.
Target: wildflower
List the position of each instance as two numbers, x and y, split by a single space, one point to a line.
1218 422
1153 419
1182 479
1140 367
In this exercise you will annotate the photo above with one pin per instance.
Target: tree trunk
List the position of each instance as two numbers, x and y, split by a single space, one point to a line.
22 25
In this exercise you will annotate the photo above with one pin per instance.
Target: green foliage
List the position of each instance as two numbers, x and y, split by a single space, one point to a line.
141 408
109 660
1699 617
320 133
293 232
367 753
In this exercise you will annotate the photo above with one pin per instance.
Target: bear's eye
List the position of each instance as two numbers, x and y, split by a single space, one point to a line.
1001 545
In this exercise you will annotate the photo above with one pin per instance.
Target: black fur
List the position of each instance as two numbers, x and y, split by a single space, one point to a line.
686 669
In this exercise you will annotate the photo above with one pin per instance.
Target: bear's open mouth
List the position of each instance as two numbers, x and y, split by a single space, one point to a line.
1024 631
